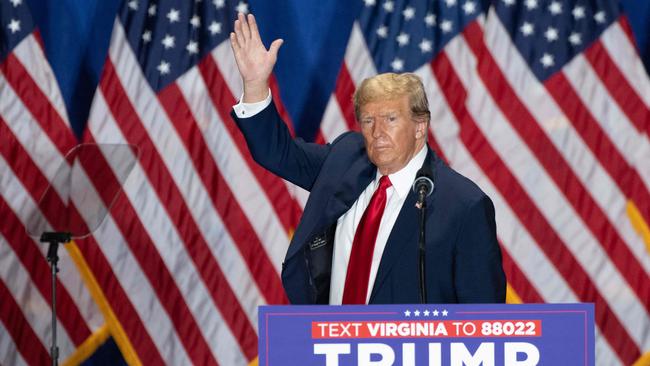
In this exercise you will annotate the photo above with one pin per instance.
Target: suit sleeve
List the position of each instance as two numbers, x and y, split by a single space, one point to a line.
478 272
273 147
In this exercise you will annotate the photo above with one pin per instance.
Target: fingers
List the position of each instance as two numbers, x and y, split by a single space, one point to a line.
275 47
234 43
255 33
245 31
239 33
244 27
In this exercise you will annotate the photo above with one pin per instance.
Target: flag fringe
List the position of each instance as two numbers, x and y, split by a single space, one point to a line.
114 327
88 347
640 226
511 296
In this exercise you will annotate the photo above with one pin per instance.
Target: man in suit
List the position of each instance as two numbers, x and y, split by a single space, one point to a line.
357 241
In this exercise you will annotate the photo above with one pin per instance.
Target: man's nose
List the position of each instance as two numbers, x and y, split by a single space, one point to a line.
378 129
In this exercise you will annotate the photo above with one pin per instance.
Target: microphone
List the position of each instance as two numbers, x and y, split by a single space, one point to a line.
423 184
422 187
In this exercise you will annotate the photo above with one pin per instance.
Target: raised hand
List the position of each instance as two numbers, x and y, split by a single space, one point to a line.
255 63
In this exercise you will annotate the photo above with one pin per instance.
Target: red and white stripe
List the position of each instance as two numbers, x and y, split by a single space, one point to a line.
197 238
561 210
554 206
34 133
226 75
538 274
357 66
15 358
194 243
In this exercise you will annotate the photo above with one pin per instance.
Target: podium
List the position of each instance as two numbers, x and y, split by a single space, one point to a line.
427 334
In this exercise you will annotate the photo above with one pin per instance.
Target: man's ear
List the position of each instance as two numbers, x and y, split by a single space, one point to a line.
421 128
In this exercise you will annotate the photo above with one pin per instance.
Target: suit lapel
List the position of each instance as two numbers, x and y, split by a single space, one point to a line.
333 200
404 230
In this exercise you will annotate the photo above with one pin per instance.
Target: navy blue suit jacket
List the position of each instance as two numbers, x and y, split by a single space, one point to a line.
463 259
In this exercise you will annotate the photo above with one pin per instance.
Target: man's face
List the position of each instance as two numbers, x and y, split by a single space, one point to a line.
392 136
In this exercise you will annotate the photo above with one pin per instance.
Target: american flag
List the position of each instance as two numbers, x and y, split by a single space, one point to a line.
195 241
576 102
545 104
34 135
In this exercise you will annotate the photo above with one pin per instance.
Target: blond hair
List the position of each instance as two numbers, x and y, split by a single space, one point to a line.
390 86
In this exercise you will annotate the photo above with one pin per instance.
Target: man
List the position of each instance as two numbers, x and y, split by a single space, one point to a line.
357 241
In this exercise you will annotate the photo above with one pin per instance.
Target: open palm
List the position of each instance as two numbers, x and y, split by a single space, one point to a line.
254 61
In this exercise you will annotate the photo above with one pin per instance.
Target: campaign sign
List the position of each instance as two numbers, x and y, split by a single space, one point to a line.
430 335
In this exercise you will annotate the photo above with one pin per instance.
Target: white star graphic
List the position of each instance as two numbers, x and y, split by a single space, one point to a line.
600 17
214 28
192 47
219 3
436 312
403 39
408 13
133 5
407 313
551 34
382 32
195 21
146 36
575 39
555 8
450 3
14 26
527 29
578 12
389 6
163 67
425 46
15 3
509 2
173 15
531 4
397 65
168 41
445 312
416 313
446 26
469 7
152 10
242 7
426 312
430 20
369 2
547 60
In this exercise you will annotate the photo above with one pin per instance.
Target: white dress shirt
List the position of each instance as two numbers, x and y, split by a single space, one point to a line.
245 110
347 224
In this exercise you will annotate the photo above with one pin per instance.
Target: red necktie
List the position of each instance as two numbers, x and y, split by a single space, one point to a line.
363 246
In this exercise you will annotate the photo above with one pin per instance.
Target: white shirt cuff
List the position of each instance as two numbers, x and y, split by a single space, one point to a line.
246 110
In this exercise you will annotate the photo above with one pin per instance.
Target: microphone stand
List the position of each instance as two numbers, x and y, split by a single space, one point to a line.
422 206
54 238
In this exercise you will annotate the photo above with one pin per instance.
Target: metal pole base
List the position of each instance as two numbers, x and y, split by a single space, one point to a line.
54 239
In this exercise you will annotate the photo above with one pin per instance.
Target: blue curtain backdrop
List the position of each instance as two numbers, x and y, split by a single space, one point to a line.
76 34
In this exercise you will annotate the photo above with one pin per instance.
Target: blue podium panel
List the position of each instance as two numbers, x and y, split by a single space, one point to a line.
430 335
